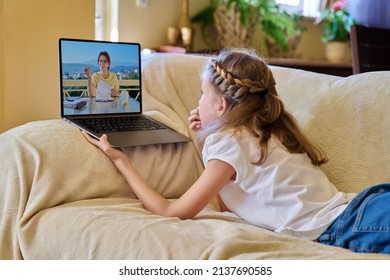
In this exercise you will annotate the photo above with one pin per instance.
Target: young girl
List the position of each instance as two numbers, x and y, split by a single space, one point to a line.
261 166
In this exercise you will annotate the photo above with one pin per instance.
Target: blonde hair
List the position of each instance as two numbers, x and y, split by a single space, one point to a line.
248 86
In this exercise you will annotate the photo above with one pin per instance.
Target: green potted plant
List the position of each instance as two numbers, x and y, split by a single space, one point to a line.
337 27
282 30
243 16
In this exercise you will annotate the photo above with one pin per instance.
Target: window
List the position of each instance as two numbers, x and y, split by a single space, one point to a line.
289 2
106 20
308 8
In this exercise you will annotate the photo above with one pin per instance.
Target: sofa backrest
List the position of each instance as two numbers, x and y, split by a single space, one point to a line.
346 117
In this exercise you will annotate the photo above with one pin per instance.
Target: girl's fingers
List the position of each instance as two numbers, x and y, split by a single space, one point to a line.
195 125
193 118
90 139
102 143
194 112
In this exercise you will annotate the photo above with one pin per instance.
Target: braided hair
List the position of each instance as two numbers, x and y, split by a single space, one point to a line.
245 81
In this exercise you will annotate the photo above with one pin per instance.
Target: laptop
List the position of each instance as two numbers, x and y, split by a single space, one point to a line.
114 105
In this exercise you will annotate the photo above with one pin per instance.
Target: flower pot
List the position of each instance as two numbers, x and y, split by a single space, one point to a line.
232 33
337 51
274 50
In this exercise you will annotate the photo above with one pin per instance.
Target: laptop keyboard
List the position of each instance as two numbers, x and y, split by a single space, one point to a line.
134 123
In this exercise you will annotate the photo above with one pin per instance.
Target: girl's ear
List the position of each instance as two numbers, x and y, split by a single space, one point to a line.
222 106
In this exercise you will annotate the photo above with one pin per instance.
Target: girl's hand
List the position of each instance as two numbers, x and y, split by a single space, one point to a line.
103 144
194 120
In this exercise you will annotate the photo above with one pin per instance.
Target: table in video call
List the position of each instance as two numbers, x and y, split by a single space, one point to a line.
94 106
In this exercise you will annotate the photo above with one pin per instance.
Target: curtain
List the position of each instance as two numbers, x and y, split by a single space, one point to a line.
324 4
375 13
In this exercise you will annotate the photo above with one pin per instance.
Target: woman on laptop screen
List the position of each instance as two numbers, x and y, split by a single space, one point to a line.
103 84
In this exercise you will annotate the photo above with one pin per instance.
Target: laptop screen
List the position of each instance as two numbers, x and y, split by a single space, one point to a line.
98 77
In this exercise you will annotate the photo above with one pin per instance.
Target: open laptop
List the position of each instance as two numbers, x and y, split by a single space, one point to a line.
127 126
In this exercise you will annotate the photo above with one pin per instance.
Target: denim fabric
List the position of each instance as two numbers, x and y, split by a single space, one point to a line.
364 226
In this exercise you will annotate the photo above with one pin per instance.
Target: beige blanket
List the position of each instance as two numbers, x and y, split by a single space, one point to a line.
61 198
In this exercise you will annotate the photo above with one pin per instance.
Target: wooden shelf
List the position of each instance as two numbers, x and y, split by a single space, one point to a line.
343 69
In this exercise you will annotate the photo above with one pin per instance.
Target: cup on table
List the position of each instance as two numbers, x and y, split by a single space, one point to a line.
124 97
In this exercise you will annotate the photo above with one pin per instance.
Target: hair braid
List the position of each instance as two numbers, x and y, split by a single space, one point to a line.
235 87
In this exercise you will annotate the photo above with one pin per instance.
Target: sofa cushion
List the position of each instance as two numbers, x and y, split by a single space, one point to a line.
347 118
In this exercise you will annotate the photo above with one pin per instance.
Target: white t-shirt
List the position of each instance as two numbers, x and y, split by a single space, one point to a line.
286 194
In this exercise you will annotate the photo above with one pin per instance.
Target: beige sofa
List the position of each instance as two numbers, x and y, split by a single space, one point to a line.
61 198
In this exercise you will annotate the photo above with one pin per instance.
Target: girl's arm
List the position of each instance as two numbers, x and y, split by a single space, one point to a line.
215 176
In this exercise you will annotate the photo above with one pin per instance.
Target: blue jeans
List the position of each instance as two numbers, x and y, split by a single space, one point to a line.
364 226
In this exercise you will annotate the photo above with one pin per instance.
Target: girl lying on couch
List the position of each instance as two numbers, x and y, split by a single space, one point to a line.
261 166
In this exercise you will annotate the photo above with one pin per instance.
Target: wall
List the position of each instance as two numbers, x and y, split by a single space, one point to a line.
29 54
29 32
149 27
